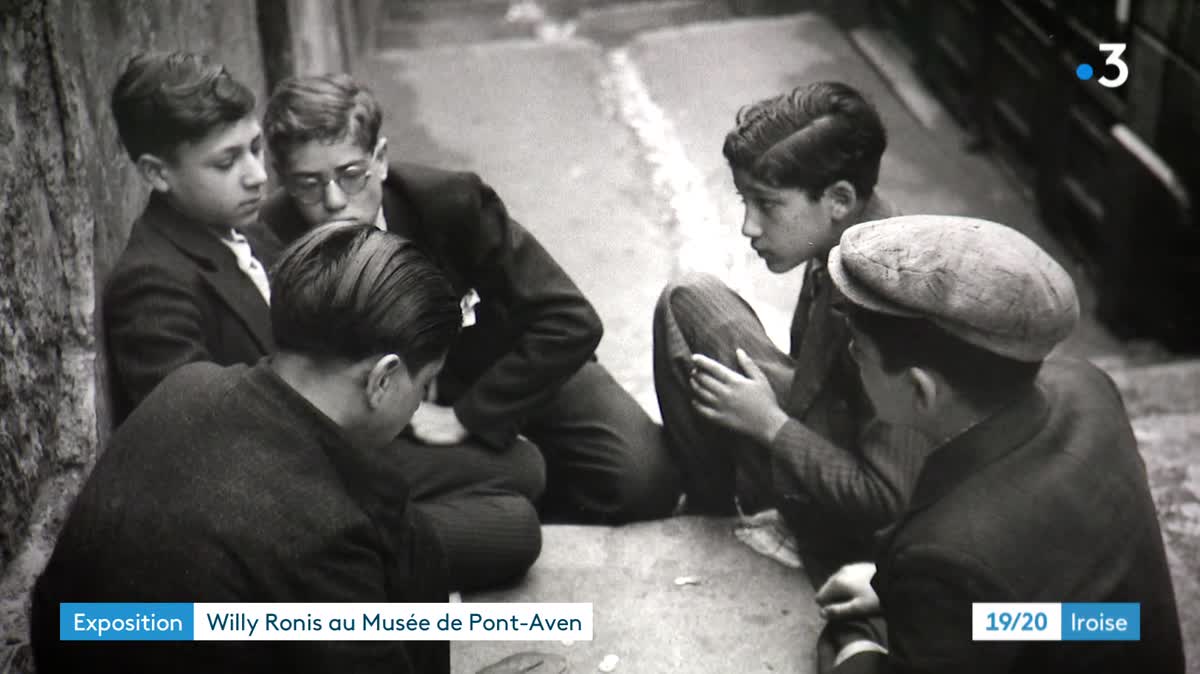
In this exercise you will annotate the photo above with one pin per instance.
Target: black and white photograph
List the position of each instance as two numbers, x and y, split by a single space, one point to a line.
620 336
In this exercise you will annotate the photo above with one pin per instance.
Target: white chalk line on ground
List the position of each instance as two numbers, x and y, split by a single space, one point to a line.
692 231
702 243
697 234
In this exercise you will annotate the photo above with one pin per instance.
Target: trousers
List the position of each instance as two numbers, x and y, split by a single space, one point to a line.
836 481
592 456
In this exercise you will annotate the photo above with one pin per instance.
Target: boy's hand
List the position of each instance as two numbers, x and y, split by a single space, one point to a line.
744 403
435 424
848 593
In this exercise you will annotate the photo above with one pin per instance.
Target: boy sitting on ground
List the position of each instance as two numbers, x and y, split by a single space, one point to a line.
191 284
786 430
1035 491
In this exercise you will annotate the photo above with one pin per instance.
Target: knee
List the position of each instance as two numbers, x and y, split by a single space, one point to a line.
677 293
680 315
529 474
503 542
529 530
509 563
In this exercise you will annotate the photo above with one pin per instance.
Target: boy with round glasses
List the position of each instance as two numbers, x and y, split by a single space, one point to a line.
523 368
311 189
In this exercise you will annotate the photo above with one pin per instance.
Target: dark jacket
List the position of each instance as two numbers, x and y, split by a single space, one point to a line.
226 485
1046 501
177 296
832 456
534 328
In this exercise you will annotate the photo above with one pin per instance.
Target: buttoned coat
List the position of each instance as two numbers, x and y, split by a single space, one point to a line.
177 296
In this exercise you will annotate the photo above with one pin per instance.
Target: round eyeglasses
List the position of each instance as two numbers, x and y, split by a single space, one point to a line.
310 189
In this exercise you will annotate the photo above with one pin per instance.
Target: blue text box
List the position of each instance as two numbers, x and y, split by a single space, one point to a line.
125 622
1102 622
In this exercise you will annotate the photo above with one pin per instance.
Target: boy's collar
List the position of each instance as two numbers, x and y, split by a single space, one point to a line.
197 239
1000 433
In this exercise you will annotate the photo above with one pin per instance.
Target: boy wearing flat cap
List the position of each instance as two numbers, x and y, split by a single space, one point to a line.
1035 491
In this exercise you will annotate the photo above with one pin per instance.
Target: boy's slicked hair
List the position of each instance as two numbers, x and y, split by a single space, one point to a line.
323 108
982 377
809 139
351 291
165 99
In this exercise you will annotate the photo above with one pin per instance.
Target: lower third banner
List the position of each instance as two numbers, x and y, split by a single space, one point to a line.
325 622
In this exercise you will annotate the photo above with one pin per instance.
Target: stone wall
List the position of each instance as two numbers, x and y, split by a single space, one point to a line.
68 195
310 37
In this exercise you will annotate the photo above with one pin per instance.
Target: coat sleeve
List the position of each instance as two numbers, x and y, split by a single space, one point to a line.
927 605
153 325
557 329
868 487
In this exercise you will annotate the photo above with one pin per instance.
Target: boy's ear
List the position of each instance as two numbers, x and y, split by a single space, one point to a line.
843 199
384 378
925 389
154 171
381 156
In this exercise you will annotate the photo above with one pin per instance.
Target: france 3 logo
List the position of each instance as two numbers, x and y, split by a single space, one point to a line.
1114 50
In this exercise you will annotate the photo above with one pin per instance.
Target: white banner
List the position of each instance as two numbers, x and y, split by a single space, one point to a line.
393 622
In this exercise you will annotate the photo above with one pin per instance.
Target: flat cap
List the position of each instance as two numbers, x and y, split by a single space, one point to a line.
981 281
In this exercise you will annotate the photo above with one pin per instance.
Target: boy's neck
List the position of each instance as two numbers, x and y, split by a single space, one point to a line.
218 230
874 208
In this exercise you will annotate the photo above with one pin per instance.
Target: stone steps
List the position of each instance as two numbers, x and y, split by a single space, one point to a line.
1164 405
1165 388
676 595
753 611
462 22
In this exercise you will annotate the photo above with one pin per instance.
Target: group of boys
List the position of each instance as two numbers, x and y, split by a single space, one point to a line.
386 409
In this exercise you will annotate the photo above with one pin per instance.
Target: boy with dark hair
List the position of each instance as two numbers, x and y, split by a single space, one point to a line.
1035 491
191 283
524 365
756 426
271 483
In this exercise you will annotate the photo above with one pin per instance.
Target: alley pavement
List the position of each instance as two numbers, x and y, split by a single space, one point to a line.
602 132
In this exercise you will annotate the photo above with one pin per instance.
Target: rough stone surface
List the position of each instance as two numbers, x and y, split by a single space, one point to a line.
1160 389
68 195
46 287
745 613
